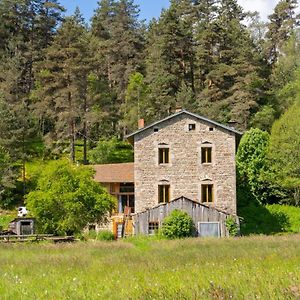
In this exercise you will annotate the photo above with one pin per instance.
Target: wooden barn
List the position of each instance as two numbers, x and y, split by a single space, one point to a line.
208 221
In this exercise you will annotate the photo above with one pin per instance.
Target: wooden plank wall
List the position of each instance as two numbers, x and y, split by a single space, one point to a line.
197 211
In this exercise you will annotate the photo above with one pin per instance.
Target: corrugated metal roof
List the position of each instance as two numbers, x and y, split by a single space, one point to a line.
190 114
114 173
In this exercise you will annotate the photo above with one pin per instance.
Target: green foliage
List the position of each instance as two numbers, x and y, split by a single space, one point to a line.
105 235
134 106
284 155
67 198
291 213
111 151
231 226
177 225
251 163
269 219
5 218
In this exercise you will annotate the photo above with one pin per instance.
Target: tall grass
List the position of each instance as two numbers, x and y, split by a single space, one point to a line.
243 268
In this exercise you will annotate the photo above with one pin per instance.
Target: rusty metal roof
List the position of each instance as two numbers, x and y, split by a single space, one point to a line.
114 173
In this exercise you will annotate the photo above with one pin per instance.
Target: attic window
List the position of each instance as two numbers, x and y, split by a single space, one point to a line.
192 127
211 129
155 129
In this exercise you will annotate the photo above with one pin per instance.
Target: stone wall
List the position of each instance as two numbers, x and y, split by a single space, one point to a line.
185 173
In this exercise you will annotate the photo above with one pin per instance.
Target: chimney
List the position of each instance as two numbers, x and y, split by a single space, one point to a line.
141 123
178 108
232 124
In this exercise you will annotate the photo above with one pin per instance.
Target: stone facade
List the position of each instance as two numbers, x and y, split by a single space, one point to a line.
185 172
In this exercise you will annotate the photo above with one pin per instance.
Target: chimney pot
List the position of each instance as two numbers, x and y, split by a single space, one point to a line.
141 123
178 108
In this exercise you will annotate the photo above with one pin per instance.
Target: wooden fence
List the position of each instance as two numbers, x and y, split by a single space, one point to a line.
13 238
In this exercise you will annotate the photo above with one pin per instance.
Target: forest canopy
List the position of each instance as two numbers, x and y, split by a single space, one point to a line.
66 84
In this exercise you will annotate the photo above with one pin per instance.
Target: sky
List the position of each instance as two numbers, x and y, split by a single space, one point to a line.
152 8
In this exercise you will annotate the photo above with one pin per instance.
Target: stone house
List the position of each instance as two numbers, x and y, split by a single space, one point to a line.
183 155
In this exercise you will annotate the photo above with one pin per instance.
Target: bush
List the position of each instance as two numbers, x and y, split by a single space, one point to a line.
177 225
291 213
269 219
105 235
231 226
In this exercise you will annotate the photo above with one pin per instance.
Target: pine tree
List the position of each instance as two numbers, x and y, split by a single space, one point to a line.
169 58
120 47
62 84
233 86
282 24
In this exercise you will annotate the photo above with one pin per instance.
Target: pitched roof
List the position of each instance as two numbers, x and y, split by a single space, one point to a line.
183 198
183 111
114 172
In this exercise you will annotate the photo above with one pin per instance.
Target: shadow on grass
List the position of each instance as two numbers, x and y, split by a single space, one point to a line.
257 219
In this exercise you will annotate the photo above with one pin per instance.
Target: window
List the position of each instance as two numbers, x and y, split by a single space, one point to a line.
211 129
209 229
163 193
192 127
155 129
153 227
163 155
206 157
207 193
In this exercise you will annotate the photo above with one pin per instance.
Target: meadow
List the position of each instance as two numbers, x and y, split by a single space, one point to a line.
255 267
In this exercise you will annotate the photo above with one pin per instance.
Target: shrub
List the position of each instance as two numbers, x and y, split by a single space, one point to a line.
105 235
231 226
269 219
177 225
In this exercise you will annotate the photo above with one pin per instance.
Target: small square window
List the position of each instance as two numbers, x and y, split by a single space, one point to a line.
155 129
207 195
163 193
163 155
206 155
211 129
153 228
192 127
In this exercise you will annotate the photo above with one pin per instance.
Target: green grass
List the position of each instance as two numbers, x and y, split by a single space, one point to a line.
6 217
243 268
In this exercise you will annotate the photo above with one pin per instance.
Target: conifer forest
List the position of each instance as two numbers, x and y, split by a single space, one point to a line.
68 83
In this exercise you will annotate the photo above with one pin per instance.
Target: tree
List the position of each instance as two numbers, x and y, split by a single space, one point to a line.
119 51
284 155
61 94
169 59
135 101
231 84
67 198
111 151
251 164
7 179
280 28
